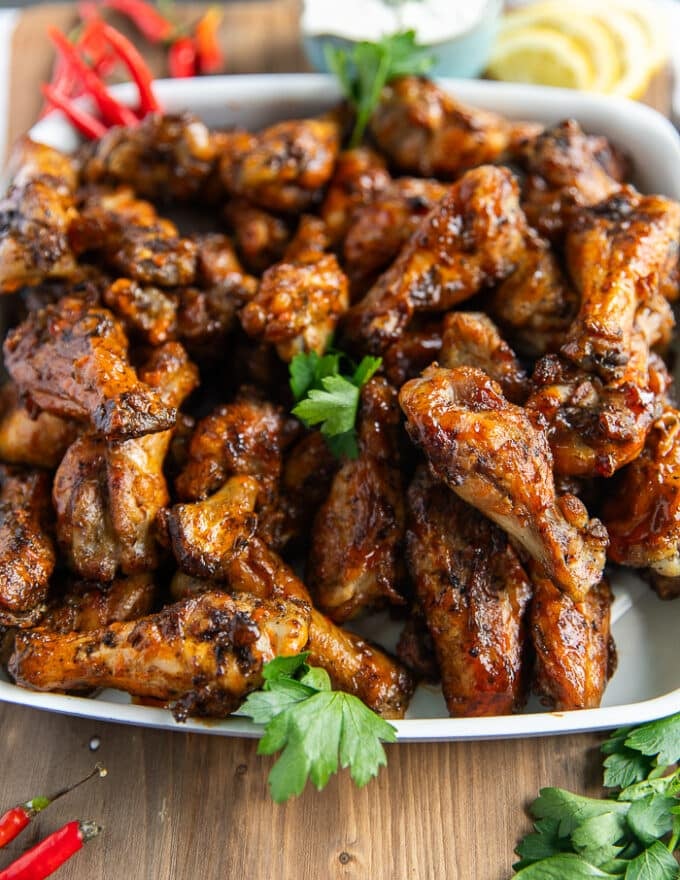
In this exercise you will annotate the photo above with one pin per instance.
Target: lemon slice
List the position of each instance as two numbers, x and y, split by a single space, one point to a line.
540 55
592 36
633 48
654 23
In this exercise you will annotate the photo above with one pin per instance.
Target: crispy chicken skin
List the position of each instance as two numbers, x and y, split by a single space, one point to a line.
203 654
359 176
423 130
148 313
416 348
472 238
473 593
40 441
617 253
494 457
574 652
87 605
535 305
164 157
285 167
566 169
380 228
206 535
27 554
35 217
72 361
642 510
471 339
353 664
357 540
260 237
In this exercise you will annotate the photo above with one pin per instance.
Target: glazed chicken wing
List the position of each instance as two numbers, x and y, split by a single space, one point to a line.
575 655
355 557
417 347
473 593
285 167
472 238
72 361
425 131
260 237
617 252
308 470
35 217
164 157
40 441
203 655
86 605
359 176
471 339
495 458
27 555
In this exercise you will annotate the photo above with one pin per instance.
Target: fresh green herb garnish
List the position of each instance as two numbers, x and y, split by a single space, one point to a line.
633 835
315 728
327 397
367 67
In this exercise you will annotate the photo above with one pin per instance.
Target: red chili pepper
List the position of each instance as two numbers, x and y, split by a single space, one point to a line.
85 122
43 859
210 56
134 62
112 110
15 820
182 58
148 20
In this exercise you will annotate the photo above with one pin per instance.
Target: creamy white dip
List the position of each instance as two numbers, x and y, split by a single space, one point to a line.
432 20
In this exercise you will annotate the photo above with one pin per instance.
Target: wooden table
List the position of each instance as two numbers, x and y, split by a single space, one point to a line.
179 806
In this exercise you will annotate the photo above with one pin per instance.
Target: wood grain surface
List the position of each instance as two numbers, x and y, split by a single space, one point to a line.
179 806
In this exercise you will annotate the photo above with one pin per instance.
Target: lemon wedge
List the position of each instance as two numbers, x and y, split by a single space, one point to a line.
592 36
540 55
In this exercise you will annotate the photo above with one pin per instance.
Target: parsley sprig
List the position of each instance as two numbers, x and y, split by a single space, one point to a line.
632 835
367 67
315 728
327 397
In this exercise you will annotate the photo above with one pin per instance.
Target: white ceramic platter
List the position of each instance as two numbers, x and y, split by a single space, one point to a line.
646 684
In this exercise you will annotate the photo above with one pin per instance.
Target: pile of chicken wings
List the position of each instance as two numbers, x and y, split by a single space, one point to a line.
167 526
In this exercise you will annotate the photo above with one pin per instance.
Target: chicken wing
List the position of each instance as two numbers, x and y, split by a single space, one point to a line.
472 238
471 339
308 470
359 176
72 361
260 237
617 252
202 655
495 458
85 605
567 169
473 593
425 131
574 652
27 555
40 441
285 167
35 217
165 157
416 348
357 539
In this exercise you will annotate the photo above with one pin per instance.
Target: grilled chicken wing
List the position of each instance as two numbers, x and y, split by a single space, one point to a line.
574 652
380 228
471 339
165 157
535 305
416 348
472 238
129 237
203 655
40 441
35 217
86 605
260 237
617 252
494 457
566 169
359 176
425 131
357 539
285 167
308 470
72 361
473 593
27 556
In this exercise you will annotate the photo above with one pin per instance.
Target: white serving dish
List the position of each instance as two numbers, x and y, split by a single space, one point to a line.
646 684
